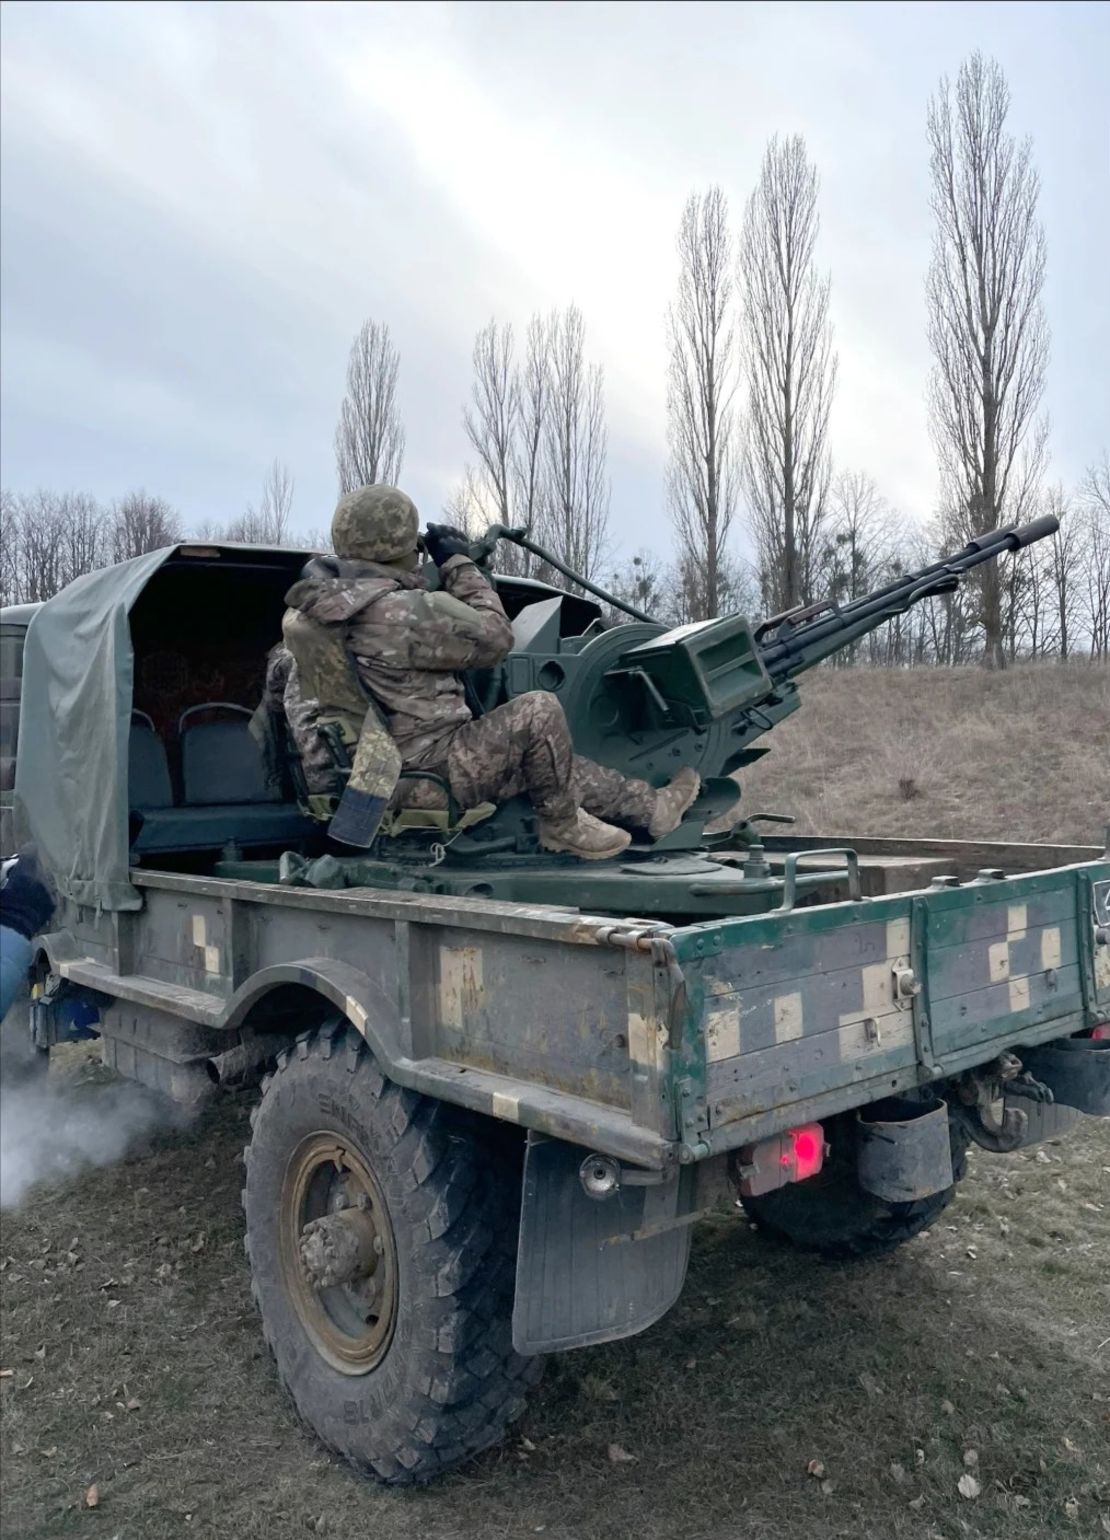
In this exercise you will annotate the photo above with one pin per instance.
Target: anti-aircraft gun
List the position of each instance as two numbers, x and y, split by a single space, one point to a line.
646 700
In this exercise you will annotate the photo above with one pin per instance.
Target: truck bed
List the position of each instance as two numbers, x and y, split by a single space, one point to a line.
650 1043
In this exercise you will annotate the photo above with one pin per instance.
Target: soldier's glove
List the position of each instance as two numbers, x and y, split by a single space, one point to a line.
26 902
442 542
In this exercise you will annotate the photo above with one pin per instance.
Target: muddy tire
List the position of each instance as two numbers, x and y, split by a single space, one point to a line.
381 1232
831 1214
21 1063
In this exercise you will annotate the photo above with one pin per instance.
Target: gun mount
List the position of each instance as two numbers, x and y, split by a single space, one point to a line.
646 700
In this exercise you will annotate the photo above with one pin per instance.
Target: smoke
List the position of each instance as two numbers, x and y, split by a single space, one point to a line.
52 1129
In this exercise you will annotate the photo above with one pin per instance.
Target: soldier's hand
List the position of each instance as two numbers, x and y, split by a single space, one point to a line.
26 902
442 541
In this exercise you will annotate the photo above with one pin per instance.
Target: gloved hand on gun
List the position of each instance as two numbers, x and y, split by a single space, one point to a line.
442 541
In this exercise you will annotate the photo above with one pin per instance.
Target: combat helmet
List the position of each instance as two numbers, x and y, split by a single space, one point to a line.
375 523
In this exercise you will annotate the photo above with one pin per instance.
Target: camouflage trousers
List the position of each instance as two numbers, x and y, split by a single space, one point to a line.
525 746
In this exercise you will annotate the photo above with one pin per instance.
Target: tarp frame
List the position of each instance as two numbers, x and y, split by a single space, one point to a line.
71 792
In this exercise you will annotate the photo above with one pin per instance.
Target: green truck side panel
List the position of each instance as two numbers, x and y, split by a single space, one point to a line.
628 1038
783 1010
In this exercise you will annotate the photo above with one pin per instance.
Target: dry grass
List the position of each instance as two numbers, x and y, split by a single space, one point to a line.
129 1289
947 753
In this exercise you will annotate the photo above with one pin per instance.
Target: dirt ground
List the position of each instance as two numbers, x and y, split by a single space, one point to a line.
944 753
982 1349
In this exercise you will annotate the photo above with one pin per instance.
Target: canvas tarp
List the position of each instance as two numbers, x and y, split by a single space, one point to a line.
75 718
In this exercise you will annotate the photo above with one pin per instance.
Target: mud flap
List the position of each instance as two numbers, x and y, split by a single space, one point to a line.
1044 1120
905 1151
593 1270
1076 1071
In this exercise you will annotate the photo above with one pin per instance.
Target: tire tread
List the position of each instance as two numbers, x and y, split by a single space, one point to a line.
463 1220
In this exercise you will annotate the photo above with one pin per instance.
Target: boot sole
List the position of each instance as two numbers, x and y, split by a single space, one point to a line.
564 848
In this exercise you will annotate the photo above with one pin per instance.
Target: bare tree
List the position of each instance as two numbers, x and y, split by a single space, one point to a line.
82 532
737 588
1065 561
858 543
468 506
791 372
268 524
50 538
861 526
987 325
142 523
277 501
1020 579
504 421
370 441
533 396
491 418
1095 501
538 430
9 547
571 502
642 581
40 564
702 476
532 389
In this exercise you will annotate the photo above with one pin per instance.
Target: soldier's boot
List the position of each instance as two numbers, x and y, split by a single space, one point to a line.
726 820
584 836
671 802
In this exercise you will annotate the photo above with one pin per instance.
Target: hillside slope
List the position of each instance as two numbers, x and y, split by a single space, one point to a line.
944 753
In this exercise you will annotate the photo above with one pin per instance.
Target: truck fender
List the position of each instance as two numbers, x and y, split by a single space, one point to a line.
365 1004
595 1269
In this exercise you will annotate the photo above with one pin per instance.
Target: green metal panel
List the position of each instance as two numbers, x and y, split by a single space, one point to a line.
785 1009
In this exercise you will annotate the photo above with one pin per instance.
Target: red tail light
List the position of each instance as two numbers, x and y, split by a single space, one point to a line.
791 1157
1101 1033
809 1150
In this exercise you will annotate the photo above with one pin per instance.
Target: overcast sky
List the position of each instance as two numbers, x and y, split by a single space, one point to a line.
200 204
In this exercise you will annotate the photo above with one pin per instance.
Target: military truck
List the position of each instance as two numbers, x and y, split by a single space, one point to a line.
498 1086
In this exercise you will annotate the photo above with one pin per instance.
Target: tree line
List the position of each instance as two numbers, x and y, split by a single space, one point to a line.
750 387
751 383
50 538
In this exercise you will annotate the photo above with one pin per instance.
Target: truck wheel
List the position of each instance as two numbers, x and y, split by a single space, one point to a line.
833 1215
381 1231
20 1060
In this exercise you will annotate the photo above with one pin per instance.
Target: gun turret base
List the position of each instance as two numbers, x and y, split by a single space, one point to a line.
679 887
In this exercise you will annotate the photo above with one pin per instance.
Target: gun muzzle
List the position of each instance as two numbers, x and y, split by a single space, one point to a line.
1036 529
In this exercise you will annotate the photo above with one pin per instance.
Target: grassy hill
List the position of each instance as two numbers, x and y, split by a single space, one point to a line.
952 753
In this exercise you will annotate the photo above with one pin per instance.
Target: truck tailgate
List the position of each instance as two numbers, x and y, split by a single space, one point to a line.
792 1015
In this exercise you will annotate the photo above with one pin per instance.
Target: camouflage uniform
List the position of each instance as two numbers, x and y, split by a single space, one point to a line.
409 647
284 705
321 775
525 746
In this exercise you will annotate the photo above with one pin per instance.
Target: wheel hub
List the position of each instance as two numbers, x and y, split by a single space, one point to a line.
340 1248
338 1252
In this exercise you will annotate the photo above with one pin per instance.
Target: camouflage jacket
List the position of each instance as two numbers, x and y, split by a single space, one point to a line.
282 698
409 645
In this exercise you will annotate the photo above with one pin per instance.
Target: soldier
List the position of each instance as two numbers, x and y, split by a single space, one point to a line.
409 645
